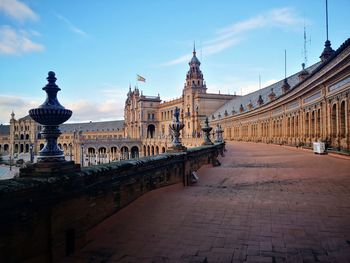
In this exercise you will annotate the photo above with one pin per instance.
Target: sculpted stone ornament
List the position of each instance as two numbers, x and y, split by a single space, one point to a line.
50 114
218 131
176 127
206 129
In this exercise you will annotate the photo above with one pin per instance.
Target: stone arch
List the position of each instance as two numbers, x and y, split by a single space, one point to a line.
148 151
114 153
26 148
152 150
16 148
318 123
91 155
21 148
144 150
151 130
124 153
163 149
102 155
312 124
65 147
22 137
134 152
342 119
157 150
307 121
60 146
334 120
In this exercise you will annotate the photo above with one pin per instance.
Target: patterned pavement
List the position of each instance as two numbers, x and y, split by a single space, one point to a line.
265 203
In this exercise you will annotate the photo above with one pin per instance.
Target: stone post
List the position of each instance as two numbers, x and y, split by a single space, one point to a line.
206 129
50 114
176 127
218 132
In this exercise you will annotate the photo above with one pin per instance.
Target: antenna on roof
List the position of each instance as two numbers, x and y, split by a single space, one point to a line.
327 19
305 51
259 82
285 63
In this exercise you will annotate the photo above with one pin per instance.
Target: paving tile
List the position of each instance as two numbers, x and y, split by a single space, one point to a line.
265 203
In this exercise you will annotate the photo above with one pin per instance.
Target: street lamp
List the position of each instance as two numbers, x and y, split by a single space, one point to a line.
70 152
82 154
10 162
31 153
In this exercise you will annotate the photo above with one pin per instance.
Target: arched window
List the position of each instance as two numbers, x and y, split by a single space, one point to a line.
134 152
318 124
151 131
342 120
312 130
124 151
307 116
334 120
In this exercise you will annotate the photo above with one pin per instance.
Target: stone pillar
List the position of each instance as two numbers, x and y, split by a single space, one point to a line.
50 114
206 130
176 127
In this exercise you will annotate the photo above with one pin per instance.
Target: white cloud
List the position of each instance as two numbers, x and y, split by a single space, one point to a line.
19 105
17 10
16 42
239 87
108 108
84 110
234 34
71 26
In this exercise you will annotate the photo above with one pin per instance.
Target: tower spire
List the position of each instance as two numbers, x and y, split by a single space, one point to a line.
285 86
327 20
327 51
194 48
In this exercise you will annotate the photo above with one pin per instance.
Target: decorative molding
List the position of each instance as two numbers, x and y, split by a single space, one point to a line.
313 97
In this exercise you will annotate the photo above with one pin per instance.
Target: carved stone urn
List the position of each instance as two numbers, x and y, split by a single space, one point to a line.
218 131
206 130
176 126
50 115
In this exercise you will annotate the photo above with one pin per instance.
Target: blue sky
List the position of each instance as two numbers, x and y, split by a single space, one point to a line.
96 48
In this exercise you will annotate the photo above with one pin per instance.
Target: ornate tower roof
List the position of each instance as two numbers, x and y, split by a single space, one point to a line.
194 77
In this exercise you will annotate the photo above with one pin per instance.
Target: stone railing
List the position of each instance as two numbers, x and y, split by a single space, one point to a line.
46 218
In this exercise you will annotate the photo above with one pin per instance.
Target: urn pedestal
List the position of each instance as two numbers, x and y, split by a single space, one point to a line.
50 115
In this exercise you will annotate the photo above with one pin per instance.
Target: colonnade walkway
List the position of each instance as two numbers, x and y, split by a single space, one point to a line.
265 203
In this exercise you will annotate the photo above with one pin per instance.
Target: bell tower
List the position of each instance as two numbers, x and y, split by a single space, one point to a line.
194 77
194 88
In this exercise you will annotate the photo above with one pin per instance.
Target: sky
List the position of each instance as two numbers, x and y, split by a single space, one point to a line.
96 48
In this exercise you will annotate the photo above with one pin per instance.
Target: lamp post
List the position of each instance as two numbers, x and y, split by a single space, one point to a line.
82 154
31 153
10 162
70 152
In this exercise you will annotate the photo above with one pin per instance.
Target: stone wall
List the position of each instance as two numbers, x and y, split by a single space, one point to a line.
45 218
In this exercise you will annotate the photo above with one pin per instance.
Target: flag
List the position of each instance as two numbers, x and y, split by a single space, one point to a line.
140 78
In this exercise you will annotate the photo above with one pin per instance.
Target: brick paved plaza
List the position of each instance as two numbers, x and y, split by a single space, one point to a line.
266 203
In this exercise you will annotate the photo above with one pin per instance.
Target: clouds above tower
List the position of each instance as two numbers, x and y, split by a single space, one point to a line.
235 33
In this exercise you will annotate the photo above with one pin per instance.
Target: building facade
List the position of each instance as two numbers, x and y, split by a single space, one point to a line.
307 107
311 105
